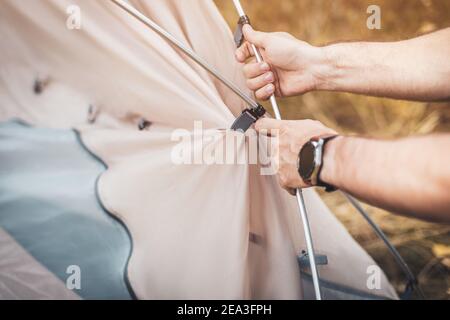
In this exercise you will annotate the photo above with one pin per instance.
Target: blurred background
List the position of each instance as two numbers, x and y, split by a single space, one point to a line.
425 246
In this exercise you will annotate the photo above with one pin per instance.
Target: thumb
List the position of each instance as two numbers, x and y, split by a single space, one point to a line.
257 38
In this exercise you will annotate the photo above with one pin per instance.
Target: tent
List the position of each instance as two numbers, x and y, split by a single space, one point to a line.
170 231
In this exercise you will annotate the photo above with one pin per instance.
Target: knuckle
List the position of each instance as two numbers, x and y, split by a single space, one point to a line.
281 180
255 70
283 130
255 83
251 70
285 181
246 70
260 94
283 142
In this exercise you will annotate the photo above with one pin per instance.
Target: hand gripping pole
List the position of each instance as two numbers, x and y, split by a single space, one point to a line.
299 194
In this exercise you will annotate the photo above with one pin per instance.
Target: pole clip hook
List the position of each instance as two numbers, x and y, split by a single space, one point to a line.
238 34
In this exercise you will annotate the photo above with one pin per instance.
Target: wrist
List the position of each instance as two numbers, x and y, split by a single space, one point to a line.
314 69
330 170
327 69
350 67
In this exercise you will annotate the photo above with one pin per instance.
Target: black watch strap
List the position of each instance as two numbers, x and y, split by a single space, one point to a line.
320 183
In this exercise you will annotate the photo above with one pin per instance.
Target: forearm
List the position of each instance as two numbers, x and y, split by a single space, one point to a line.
416 69
409 176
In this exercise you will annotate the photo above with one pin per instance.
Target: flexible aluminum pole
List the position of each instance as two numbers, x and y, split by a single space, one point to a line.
299 193
163 33
398 258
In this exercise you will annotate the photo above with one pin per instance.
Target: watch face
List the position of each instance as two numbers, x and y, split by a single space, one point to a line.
307 157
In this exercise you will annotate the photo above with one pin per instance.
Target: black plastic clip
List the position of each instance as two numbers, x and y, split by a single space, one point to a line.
248 118
93 112
143 124
40 84
303 260
238 34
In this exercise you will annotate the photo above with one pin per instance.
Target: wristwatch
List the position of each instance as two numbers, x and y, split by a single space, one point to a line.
310 161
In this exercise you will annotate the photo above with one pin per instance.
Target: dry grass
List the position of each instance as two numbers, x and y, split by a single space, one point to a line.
425 246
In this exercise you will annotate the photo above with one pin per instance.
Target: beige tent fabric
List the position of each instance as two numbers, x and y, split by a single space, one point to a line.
199 231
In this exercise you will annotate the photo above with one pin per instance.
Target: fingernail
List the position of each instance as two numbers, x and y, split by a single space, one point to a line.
270 88
269 77
265 66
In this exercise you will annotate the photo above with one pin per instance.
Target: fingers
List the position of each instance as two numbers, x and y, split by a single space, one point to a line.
258 38
260 81
244 52
268 125
265 92
292 191
255 69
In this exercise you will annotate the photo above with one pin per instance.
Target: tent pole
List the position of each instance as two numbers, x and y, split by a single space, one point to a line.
411 278
299 193
166 35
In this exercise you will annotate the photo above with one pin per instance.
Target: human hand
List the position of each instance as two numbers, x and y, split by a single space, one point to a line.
291 66
290 138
